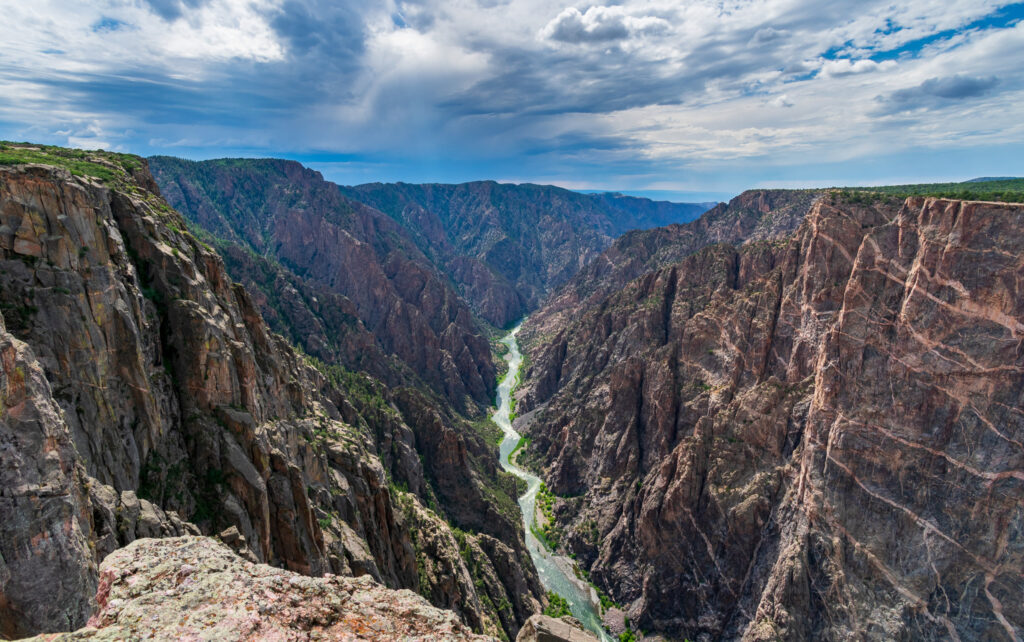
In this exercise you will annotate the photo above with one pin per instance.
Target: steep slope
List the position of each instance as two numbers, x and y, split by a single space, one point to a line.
817 437
755 215
280 210
508 246
142 384
426 445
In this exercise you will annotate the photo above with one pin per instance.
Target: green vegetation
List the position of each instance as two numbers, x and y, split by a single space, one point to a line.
550 533
524 442
557 605
489 430
1006 190
108 167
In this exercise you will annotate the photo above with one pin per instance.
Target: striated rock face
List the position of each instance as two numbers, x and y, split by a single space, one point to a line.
47 569
281 210
507 246
756 215
817 437
196 588
144 387
426 446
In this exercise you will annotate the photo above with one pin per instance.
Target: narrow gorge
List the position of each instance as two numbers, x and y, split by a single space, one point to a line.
267 401
555 571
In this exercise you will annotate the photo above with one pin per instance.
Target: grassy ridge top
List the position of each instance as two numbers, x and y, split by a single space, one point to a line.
1005 190
108 167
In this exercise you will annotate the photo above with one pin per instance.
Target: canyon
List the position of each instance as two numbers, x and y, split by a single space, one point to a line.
250 391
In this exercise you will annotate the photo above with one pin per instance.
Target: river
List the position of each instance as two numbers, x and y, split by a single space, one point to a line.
555 570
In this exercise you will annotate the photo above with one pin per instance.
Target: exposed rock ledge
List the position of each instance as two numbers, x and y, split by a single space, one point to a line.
542 628
192 588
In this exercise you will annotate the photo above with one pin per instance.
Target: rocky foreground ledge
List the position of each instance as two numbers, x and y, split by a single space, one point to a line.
196 588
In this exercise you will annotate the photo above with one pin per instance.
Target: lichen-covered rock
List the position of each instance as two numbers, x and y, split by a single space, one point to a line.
196 588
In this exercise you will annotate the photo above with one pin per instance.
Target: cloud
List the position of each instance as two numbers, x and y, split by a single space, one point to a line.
846 67
936 93
600 25
335 31
172 9
645 87
768 34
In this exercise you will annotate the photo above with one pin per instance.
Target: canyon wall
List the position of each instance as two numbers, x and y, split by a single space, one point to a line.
809 436
144 396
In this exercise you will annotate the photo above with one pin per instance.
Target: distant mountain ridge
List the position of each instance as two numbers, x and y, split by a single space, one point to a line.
507 246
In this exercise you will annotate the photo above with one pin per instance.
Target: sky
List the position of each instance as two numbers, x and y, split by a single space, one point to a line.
688 100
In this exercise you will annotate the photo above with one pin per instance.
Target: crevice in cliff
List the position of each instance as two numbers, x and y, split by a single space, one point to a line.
772 326
670 298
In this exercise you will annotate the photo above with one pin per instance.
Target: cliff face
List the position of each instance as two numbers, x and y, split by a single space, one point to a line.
281 210
143 388
753 215
425 442
508 246
808 438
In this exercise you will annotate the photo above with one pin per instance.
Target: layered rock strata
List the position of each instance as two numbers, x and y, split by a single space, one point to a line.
282 210
508 246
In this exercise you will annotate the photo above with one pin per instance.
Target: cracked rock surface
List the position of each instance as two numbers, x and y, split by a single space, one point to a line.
192 588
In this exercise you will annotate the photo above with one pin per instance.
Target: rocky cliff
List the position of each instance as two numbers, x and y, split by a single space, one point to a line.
813 437
753 215
282 211
142 388
508 246
424 439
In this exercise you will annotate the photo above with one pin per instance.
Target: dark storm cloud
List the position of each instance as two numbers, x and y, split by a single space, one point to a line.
332 32
936 93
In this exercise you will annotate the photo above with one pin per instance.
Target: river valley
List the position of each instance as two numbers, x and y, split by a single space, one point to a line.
555 570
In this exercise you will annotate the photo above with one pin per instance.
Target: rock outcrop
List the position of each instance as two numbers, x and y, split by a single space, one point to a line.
543 628
817 437
195 588
508 246
145 389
